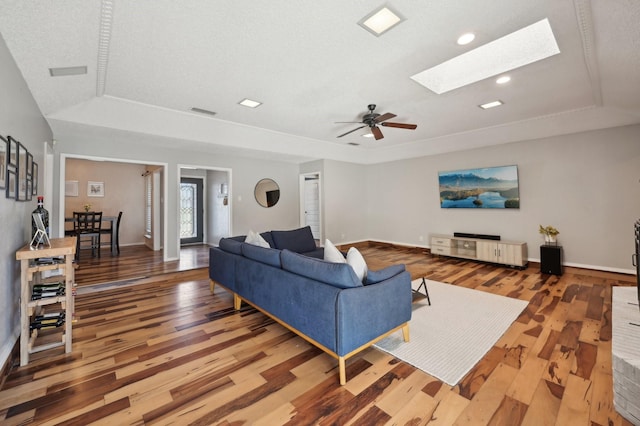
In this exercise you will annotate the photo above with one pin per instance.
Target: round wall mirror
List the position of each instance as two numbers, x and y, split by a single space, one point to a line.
267 192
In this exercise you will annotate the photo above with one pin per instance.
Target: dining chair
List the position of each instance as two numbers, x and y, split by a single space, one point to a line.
86 227
113 235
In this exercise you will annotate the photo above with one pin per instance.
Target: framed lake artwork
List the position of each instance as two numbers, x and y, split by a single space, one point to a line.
481 188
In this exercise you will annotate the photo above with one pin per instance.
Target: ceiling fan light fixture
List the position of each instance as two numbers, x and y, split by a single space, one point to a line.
250 103
367 135
491 104
381 20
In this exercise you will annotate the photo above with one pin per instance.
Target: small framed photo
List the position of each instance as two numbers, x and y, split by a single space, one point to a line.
29 168
12 155
71 188
29 188
95 189
12 184
34 175
22 173
4 148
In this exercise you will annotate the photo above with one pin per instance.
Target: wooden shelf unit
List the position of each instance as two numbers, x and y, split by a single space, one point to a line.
33 273
511 253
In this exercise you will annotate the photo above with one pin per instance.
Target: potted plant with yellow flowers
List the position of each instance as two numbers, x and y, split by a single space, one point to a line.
550 233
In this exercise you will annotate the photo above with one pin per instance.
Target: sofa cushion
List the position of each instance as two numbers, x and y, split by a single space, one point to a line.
261 254
256 239
231 245
332 254
299 240
337 274
357 262
374 277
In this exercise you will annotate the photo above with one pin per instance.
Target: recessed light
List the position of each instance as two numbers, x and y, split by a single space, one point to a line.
249 103
63 71
504 79
491 104
466 38
380 20
203 111
523 47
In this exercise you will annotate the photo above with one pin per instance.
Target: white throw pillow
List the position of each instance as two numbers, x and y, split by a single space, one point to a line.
357 262
332 254
256 239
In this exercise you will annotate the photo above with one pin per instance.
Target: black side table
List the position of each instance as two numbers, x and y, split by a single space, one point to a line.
551 259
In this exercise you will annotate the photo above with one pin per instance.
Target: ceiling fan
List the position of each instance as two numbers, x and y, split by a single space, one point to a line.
373 119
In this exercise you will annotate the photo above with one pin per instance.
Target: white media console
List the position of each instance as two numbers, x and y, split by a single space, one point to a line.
512 253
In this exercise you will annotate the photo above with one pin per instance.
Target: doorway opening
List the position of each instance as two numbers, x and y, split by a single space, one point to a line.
311 203
204 213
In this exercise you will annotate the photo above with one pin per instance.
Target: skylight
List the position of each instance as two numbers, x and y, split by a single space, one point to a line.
523 47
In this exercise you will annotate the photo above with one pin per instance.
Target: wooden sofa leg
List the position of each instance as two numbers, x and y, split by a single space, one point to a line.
237 302
405 332
212 285
343 370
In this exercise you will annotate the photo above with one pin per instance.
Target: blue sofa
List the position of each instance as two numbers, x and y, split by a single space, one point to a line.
323 302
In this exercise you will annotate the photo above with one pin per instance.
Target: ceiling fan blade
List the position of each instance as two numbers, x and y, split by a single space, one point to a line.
384 117
377 133
400 125
351 131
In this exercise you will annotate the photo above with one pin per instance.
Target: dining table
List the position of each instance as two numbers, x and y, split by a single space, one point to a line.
114 229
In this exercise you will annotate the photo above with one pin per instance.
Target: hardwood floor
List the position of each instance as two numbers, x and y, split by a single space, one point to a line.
166 351
136 263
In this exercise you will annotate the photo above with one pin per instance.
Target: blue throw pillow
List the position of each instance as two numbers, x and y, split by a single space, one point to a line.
336 274
299 240
383 274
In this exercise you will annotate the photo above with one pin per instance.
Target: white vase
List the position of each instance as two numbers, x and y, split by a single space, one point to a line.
550 238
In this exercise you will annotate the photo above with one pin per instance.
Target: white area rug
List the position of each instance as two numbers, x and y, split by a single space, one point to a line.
449 337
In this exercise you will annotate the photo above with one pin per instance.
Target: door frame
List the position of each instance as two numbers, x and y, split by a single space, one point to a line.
62 177
182 166
302 177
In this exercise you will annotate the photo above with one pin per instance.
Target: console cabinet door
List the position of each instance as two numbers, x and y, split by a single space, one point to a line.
510 254
487 251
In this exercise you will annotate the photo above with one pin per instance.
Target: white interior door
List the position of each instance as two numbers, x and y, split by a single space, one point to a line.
310 208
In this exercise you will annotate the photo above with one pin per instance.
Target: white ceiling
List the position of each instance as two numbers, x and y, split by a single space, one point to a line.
150 61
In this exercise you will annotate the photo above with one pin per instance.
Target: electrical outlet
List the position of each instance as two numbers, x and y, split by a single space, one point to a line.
420 238
342 236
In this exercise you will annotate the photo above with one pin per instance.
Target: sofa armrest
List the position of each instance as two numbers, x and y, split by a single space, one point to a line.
364 313
374 277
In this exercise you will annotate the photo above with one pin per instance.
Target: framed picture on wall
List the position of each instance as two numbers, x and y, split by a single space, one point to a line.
29 188
71 188
22 173
12 155
95 189
29 168
12 184
4 147
34 175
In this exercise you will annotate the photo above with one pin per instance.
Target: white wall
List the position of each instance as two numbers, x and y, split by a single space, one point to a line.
246 213
587 185
20 118
218 211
